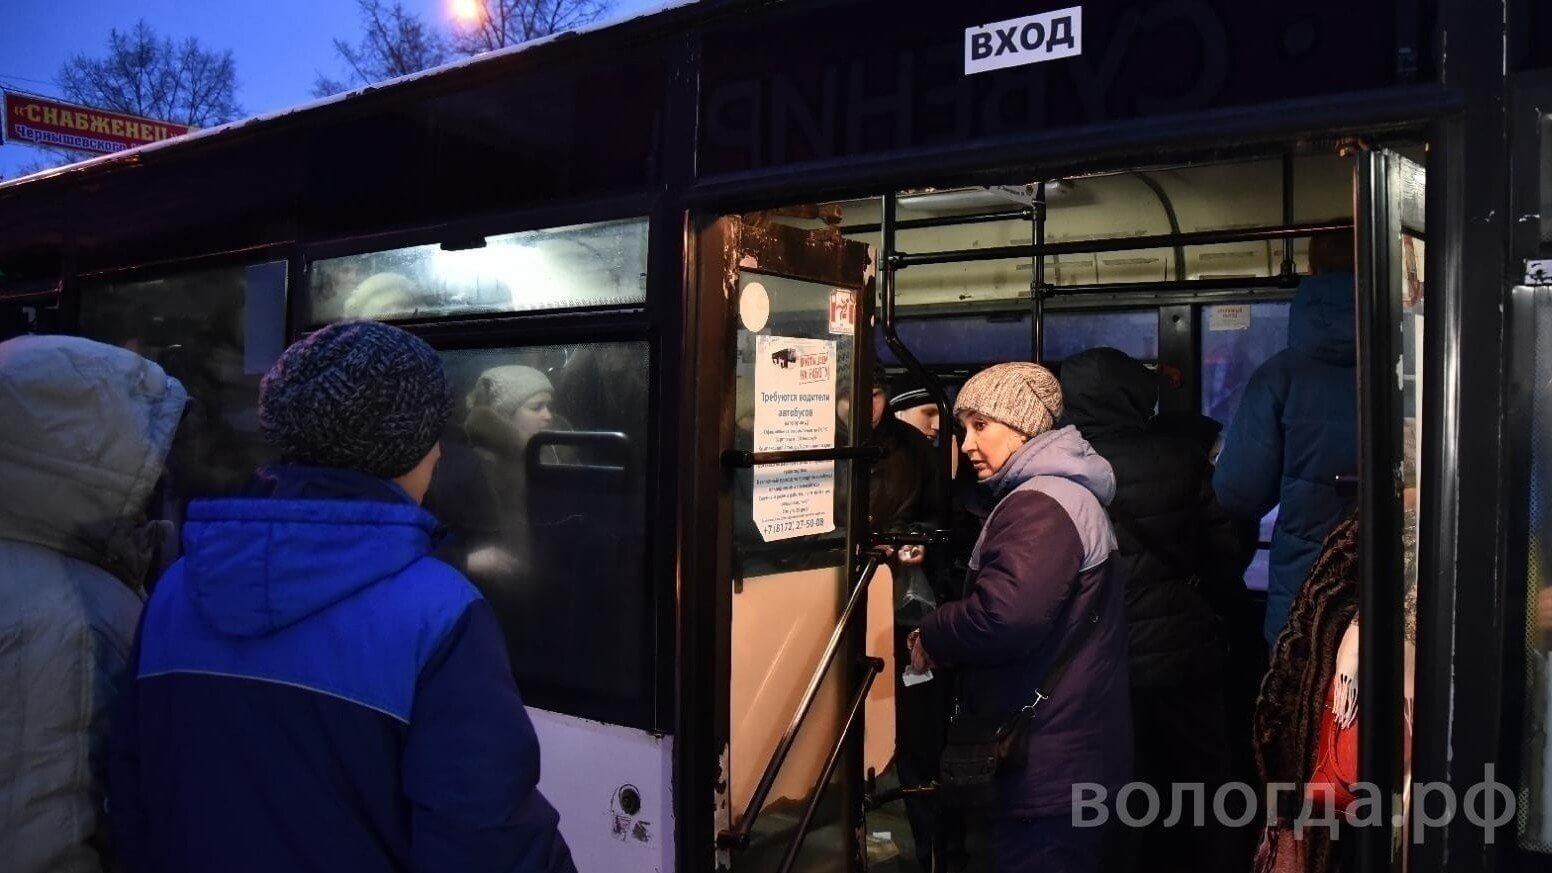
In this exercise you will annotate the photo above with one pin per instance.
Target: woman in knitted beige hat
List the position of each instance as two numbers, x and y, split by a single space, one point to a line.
508 406
1039 577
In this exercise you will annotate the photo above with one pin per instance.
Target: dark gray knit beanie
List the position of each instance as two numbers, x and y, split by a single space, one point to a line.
357 395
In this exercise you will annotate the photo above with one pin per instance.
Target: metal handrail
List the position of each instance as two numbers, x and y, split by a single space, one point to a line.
613 442
1132 293
738 836
25 291
873 799
1121 244
1037 289
1021 214
873 667
949 427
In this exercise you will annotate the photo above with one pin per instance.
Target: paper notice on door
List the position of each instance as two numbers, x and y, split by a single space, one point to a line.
794 383
1233 316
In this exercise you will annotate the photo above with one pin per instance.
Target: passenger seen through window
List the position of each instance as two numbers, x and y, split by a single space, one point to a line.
542 491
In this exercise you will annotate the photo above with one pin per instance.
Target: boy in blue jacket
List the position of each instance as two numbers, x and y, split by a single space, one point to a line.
311 690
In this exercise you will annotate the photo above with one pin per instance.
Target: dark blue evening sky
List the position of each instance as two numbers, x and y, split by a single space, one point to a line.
280 45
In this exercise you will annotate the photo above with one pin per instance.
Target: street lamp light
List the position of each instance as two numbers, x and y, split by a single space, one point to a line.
468 11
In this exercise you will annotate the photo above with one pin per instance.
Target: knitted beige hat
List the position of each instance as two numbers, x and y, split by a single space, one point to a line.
506 388
1025 397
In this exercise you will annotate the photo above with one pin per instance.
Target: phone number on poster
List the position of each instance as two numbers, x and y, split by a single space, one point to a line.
816 523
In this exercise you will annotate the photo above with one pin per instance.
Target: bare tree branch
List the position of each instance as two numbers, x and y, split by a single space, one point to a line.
146 74
394 42
510 22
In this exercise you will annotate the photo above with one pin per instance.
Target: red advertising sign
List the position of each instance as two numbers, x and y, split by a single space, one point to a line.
46 122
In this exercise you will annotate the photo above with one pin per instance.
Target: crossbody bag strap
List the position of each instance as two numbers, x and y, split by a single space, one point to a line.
1064 658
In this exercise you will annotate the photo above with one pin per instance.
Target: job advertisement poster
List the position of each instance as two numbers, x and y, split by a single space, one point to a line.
794 382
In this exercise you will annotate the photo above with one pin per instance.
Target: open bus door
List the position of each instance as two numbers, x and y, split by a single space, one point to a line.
787 308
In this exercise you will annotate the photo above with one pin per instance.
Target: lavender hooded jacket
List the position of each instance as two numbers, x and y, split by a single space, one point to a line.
1041 566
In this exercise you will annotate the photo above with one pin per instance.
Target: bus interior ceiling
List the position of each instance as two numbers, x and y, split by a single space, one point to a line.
972 310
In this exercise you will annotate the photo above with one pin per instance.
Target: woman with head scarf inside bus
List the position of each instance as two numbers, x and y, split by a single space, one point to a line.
508 406
1040 572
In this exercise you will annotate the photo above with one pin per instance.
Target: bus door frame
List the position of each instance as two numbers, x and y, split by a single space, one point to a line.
715 252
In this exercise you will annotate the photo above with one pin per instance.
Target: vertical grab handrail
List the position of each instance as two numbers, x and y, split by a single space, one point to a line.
948 428
1037 277
872 667
1287 269
738 836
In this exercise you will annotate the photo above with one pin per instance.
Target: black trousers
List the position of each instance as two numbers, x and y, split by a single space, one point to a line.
1181 735
921 724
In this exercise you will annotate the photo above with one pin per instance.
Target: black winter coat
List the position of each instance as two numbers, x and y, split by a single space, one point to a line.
1180 556
906 483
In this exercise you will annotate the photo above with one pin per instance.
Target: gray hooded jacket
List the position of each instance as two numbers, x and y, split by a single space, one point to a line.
84 429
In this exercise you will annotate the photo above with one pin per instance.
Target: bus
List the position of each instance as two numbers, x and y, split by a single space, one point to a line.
668 216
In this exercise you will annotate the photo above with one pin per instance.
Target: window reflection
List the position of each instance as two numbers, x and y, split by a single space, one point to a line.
218 332
542 489
560 268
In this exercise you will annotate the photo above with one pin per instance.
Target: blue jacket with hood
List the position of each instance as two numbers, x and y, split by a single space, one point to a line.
313 692
1297 430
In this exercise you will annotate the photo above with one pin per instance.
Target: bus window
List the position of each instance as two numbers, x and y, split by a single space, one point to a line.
580 267
985 340
218 331
1135 332
1236 340
542 487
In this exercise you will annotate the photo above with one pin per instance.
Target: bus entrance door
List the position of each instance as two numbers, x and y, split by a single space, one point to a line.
792 300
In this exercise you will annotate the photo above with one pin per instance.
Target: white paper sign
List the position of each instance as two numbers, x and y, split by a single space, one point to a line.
1232 316
794 409
1047 36
843 312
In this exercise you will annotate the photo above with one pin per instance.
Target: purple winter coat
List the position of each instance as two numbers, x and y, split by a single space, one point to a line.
1042 565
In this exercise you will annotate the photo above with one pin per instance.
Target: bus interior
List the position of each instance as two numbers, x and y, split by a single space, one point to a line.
1188 268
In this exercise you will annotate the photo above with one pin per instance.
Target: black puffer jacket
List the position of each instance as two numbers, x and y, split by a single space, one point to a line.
1168 526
